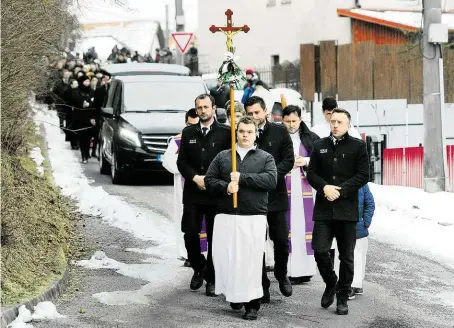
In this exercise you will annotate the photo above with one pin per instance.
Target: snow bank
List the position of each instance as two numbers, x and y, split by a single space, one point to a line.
43 311
68 175
415 220
38 158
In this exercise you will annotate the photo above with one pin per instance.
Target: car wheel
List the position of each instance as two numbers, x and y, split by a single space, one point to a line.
117 176
104 166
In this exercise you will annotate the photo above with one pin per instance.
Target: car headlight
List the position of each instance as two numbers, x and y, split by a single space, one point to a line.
129 136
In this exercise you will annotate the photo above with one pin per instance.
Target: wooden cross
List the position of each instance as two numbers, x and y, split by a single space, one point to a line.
229 30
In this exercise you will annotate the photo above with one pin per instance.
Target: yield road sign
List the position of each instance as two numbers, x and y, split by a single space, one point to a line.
182 40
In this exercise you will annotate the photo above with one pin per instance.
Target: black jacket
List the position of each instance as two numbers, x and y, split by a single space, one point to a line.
345 165
81 115
258 175
276 141
195 156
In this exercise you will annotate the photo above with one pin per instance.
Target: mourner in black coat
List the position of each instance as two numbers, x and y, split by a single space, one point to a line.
200 143
338 168
83 115
275 140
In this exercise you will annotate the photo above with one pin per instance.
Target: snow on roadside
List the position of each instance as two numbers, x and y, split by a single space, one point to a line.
68 175
43 311
38 158
415 220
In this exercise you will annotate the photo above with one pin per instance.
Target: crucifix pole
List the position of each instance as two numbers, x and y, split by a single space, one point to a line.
229 30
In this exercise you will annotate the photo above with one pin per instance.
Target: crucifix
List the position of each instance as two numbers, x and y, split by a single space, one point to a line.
229 30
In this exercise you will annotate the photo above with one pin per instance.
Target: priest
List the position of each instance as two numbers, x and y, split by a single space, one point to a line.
301 264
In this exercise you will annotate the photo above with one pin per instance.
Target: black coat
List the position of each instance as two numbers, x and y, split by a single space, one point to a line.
195 155
258 175
276 141
81 116
345 165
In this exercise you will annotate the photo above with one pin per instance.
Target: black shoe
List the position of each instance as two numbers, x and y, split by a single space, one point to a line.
236 306
299 280
187 264
328 296
358 291
210 289
251 314
342 306
196 281
266 297
285 287
351 294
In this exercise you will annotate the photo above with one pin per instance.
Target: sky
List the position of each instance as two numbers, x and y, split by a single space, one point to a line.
97 11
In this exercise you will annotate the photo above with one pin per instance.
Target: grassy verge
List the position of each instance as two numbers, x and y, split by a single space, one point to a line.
35 228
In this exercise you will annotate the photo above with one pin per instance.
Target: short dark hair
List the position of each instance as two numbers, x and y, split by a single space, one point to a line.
246 120
190 114
329 103
342 111
291 109
251 101
204 96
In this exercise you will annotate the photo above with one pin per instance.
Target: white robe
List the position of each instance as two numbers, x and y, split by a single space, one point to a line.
238 247
300 264
169 161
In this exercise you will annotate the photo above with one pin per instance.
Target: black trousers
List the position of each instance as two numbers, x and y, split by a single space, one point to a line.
95 134
254 304
322 238
84 142
278 230
191 226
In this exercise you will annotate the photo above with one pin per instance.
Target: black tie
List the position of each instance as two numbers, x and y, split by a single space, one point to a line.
204 131
260 133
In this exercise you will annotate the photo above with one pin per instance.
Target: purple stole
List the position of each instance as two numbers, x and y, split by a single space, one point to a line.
203 233
308 204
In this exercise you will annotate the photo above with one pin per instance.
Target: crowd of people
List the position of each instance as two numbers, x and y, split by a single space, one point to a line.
302 200
77 92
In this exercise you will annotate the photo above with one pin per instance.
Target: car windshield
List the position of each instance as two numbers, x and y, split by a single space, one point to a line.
160 95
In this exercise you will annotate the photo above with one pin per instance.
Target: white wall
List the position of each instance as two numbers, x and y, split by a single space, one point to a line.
277 30
378 117
401 4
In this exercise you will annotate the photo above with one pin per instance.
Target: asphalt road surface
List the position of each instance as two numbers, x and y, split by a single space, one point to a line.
402 290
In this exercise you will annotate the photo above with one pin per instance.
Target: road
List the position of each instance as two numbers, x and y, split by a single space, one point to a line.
402 290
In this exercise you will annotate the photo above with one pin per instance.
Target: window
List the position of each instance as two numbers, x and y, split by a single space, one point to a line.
274 60
159 95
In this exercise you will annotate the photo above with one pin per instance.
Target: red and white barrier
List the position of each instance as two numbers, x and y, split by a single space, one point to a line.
405 167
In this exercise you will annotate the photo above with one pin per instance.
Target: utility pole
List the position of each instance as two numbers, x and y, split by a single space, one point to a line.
179 22
434 145
167 26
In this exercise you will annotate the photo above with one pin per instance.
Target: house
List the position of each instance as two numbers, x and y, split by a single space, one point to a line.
278 27
387 26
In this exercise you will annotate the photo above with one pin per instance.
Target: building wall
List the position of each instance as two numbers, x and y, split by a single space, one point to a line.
364 31
275 30
402 123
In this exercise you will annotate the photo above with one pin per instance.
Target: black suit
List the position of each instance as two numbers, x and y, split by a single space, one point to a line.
345 165
276 140
195 155
100 100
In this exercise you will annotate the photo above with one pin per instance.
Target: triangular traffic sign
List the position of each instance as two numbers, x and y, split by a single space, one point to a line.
182 39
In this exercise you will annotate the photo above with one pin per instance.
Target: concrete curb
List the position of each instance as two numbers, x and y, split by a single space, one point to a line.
56 288
52 293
